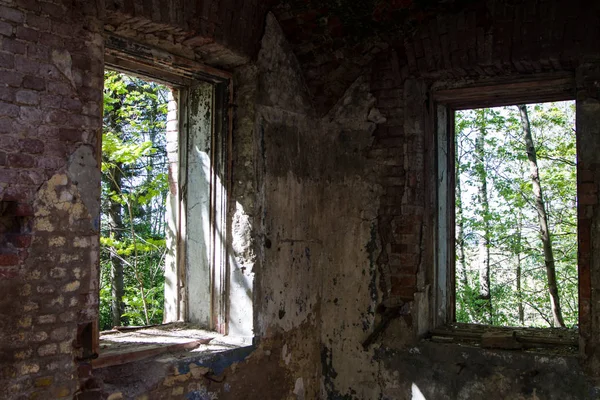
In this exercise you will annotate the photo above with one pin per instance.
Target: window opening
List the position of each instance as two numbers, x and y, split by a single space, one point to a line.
135 186
515 207
165 163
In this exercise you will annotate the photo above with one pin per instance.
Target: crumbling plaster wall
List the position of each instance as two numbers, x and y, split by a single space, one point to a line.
318 222
303 185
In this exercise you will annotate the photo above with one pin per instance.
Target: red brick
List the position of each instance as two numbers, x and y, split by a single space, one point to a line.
20 161
6 125
14 46
50 163
7 94
28 97
23 210
20 241
8 273
8 109
50 101
12 78
53 10
587 199
11 14
33 82
25 65
16 193
27 34
70 135
52 40
37 22
8 175
7 60
60 88
404 293
31 146
404 281
7 260
71 104
6 29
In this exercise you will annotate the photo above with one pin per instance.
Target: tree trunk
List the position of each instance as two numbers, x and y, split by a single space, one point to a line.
484 241
543 219
116 231
460 239
519 275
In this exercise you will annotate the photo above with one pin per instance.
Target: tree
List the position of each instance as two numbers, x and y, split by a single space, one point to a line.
542 217
484 239
517 271
134 188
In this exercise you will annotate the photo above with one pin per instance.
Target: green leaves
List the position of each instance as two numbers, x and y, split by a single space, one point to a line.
511 217
134 188
116 151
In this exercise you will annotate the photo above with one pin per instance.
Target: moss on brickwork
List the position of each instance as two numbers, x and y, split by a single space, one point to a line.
43 382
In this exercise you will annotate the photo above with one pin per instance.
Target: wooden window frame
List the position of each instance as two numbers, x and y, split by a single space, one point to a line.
181 74
444 103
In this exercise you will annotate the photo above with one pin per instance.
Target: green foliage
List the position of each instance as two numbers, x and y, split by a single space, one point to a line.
511 218
134 189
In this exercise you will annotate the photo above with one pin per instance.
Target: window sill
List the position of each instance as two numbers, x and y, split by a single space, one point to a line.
172 340
558 341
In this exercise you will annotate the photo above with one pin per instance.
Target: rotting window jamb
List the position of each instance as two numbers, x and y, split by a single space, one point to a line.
445 103
185 76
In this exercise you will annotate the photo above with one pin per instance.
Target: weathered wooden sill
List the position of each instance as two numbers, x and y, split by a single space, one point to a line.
554 340
118 347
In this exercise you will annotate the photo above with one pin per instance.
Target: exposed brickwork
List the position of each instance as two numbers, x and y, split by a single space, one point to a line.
398 147
223 33
51 65
484 39
495 38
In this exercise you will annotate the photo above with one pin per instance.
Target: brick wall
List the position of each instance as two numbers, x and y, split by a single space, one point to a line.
51 65
588 179
222 33
477 39
495 38
399 149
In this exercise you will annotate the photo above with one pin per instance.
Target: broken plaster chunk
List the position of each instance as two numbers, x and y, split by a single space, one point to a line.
198 371
71 286
376 117
299 389
63 62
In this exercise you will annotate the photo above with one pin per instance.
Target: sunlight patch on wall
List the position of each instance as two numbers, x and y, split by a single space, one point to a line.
416 393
